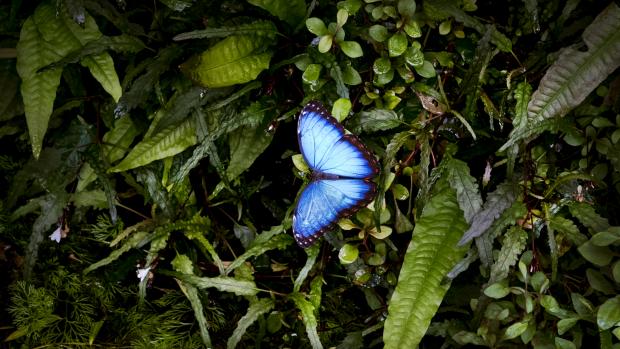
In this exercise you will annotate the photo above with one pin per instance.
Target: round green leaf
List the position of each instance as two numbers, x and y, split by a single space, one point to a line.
561 343
382 65
378 33
274 321
350 76
426 70
608 314
312 73
599 282
412 28
497 290
445 27
414 56
316 26
406 8
348 254
300 164
341 109
325 43
400 192
397 44
382 79
597 255
351 49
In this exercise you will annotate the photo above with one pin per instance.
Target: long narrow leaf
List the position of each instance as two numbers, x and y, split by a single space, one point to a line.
432 253
255 310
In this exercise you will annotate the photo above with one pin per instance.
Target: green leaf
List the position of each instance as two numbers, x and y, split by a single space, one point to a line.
498 290
568 228
566 324
497 201
574 74
397 44
348 254
325 43
432 253
378 33
222 283
246 144
381 65
256 309
307 313
586 214
426 70
599 282
101 67
259 247
170 141
350 76
45 39
341 109
341 17
552 307
351 48
582 305
137 240
375 120
316 26
597 255
182 264
312 252
406 8
457 173
260 28
513 244
234 60
562 343
290 11
608 314
114 146
515 330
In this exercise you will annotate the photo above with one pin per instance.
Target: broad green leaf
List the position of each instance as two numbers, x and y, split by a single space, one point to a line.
498 290
316 26
432 253
599 282
608 314
234 60
375 120
426 70
497 201
259 247
336 73
222 283
256 309
552 307
406 8
381 65
397 44
325 43
574 74
348 254
290 11
309 319
351 48
378 33
260 28
245 144
513 244
581 304
597 255
350 76
341 109
45 39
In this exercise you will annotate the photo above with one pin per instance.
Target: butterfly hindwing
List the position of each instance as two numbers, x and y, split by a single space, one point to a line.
328 150
324 201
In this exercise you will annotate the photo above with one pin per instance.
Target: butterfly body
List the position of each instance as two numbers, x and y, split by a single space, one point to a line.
341 171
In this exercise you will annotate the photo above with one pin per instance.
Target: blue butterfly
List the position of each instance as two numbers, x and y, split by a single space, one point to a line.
341 171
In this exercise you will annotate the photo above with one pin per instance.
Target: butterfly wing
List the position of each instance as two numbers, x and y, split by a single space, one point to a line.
324 201
328 150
